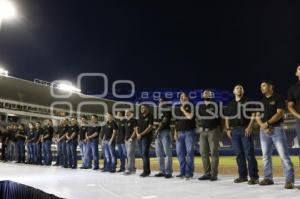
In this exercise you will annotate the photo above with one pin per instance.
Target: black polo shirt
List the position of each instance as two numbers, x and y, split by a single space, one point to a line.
93 129
294 96
143 122
62 130
211 111
185 124
20 138
108 129
48 130
165 119
37 134
73 129
12 135
239 119
129 127
271 104
121 131
30 135
82 131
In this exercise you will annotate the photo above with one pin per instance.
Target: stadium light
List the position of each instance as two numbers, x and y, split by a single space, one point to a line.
8 10
3 72
68 87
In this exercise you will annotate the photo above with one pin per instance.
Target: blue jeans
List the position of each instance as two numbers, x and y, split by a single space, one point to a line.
163 148
146 143
92 153
185 152
244 150
72 153
130 149
47 154
38 147
11 153
83 147
32 158
122 155
62 153
20 150
278 138
110 156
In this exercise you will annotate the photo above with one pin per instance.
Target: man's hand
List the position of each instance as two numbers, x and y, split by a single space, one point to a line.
248 131
264 125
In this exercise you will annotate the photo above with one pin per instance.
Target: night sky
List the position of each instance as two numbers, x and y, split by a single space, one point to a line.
157 44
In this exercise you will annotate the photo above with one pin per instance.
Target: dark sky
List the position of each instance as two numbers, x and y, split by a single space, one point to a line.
180 44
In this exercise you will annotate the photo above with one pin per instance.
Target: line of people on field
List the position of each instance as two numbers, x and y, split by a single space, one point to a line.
125 132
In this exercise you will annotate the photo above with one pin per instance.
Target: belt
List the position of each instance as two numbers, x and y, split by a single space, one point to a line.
209 129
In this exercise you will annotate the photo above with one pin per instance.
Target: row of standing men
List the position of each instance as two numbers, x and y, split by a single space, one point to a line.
124 131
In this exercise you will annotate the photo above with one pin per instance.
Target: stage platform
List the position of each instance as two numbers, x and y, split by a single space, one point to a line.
75 184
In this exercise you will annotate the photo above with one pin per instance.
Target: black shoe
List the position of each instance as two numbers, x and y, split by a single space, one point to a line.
144 175
240 180
188 177
167 176
180 176
289 185
159 175
56 164
65 166
266 182
96 168
213 178
74 167
112 171
253 181
120 170
205 177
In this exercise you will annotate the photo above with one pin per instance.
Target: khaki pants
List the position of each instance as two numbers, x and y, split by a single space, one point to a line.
209 143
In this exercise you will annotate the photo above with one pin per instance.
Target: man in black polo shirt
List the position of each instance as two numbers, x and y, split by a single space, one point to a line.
209 117
92 140
144 134
81 141
185 135
72 142
61 159
121 121
294 102
4 138
239 125
47 142
21 137
130 141
271 133
38 143
30 138
109 132
12 129
163 140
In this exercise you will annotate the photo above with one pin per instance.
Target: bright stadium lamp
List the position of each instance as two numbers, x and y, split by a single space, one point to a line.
3 72
68 87
8 10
